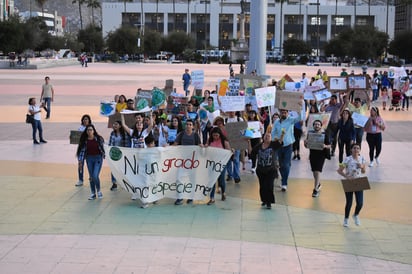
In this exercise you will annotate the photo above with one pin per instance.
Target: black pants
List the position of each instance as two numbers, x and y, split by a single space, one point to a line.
266 178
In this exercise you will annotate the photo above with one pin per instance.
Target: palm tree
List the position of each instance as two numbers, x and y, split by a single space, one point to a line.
80 2
41 4
281 23
93 4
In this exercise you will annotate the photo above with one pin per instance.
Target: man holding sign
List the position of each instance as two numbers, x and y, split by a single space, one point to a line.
285 124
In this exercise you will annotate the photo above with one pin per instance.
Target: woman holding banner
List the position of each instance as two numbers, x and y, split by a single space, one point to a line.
218 140
353 167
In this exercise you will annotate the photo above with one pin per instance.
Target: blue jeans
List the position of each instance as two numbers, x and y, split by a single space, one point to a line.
221 182
94 165
359 135
80 172
233 166
349 200
375 94
36 125
47 102
186 88
285 158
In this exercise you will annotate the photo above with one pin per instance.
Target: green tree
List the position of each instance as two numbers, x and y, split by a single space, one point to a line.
177 42
92 38
401 45
152 42
123 40
80 3
11 35
93 4
294 46
36 34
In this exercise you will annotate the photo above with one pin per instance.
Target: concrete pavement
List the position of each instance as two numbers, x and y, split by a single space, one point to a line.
48 226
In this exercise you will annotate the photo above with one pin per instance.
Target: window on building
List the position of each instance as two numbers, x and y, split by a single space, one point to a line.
314 20
339 21
179 19
271 19
292 20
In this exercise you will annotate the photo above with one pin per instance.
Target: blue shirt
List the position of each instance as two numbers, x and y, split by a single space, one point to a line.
287 124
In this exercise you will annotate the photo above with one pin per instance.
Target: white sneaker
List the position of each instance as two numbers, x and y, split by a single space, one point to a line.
346 222
79 183
377 161
371 164
284 188
253 170
356 219
99 195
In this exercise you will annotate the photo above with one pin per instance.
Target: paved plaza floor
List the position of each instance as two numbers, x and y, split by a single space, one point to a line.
47 225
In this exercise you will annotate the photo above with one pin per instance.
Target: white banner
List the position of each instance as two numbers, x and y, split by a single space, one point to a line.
232 103
198 79
184 172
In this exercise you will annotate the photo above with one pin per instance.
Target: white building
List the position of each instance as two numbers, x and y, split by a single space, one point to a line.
216 22
53 22
7 9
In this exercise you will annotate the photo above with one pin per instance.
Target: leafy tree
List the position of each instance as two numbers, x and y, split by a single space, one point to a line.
294 46
11 35
123 40
36 34
92 38
93 4
177 42
80 3
152 42
337 48
401 45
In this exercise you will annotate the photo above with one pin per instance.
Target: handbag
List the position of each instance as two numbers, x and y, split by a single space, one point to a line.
327 153
29 118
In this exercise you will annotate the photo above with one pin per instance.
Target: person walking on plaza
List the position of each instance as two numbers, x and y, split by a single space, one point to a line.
359 108
317 157
91 148
188 137
187 79
47 95
84 122
219 140
36 125
233 166
266 167
374 128
353 167
346 134
285 124
334 107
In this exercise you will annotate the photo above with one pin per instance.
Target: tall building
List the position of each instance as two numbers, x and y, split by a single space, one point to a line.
403 16
7 9
54 23
215 23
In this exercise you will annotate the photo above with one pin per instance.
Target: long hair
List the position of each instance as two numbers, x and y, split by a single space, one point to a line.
376 109
83 138
122 133
222 136
86 116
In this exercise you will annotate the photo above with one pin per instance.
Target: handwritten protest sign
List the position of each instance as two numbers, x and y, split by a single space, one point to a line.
323 117
254 128
234 85
289 100
337 83
308 92
265 96
107 108
357 82
235 134
232 103
184 172
176 105
198 79
247 80
322 94
359 119
141 96
315 140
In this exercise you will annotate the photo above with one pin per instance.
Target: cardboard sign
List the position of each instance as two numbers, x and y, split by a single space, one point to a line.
362 94
235 133
75 137
289 100
254 129
315 140
176 105
324 117
357 184
357 82
143 95
128 119
336 83
249 81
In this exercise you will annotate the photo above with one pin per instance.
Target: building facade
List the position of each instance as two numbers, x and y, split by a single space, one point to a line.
7 9
215 23
54 23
